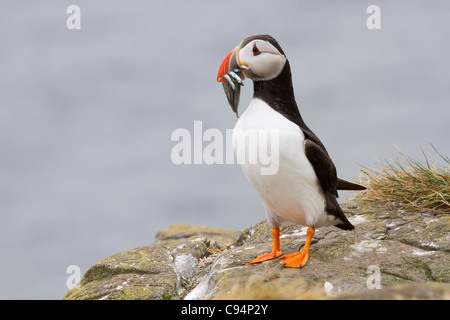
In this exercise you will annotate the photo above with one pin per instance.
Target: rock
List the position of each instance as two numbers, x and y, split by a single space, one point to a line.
178 233
391 254
161 271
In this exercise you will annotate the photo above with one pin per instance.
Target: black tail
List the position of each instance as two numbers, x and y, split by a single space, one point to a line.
346 185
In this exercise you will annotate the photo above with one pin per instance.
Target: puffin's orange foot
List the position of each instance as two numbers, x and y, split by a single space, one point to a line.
295 260
265 257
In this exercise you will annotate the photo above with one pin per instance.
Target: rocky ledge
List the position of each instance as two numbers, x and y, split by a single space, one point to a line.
391 254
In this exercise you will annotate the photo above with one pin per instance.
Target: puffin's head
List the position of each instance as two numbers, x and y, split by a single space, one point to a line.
259 57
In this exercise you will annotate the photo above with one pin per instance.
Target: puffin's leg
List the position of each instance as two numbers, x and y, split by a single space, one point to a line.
299 259
276 252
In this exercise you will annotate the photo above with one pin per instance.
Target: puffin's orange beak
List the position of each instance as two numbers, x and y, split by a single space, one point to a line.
231 74
230 63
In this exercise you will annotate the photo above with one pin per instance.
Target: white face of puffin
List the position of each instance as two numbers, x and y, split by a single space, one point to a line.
265 62
259 60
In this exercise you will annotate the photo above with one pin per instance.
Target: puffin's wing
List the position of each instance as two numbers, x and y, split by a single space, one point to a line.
316 146
323 166
326 174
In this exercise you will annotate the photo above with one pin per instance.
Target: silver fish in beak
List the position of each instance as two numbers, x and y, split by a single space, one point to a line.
231 74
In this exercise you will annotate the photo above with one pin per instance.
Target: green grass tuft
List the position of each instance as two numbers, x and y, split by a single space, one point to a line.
412 182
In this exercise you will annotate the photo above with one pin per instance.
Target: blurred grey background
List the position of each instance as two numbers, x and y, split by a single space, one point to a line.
86 115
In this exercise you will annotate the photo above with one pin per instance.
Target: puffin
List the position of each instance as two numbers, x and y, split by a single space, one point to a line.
304 188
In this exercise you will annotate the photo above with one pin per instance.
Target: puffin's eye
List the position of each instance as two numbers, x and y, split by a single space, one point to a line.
255 50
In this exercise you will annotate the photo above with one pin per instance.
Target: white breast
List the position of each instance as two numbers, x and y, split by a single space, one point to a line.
292 191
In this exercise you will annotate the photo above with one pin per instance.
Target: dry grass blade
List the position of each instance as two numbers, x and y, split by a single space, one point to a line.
411 182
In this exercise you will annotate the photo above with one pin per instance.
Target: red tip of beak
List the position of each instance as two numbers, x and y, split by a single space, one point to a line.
224 67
